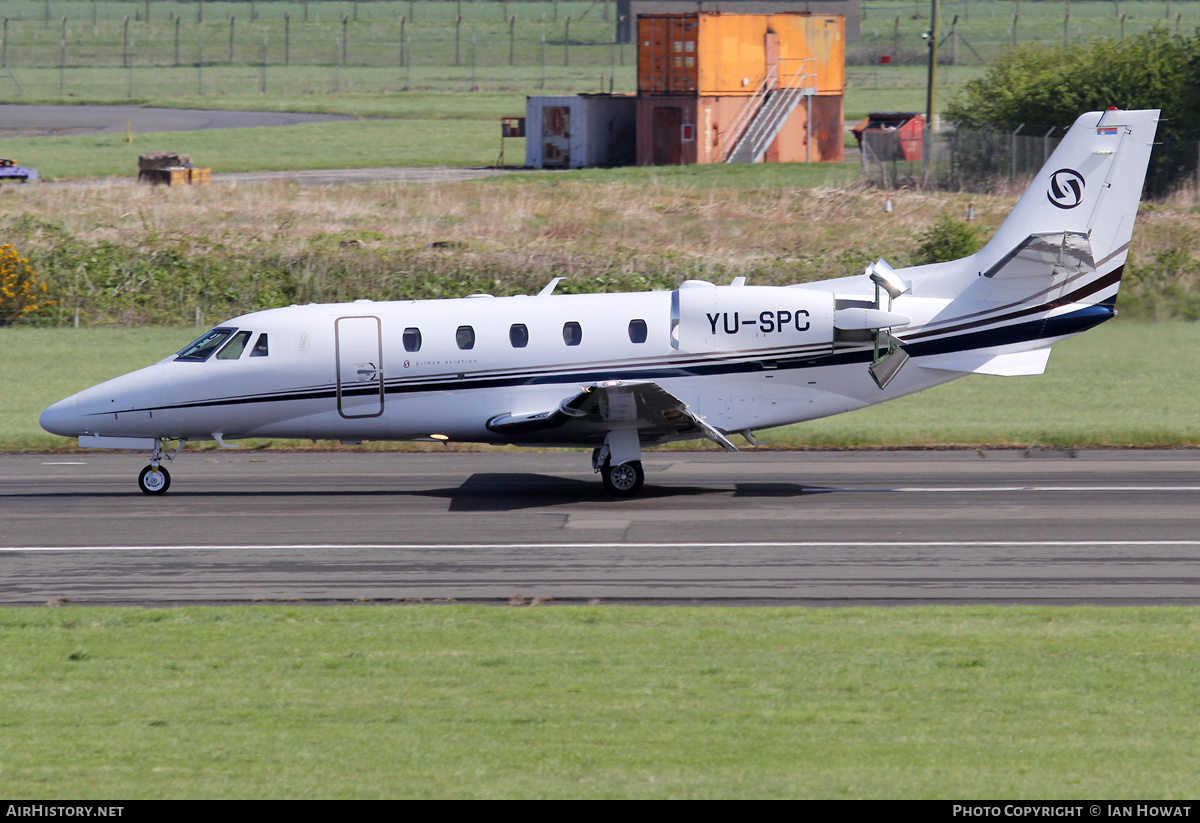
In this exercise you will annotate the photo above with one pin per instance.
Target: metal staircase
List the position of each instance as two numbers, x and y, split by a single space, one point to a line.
764 114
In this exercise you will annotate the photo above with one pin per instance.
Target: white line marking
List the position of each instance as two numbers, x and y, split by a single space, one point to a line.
66 463
535 546
957 489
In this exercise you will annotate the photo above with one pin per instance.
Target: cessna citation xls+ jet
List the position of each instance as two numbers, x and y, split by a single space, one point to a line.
616 373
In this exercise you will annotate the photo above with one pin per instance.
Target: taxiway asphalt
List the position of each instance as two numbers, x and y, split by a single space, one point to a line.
822 528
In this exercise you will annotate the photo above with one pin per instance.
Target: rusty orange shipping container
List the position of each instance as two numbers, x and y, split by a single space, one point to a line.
712 54
685 129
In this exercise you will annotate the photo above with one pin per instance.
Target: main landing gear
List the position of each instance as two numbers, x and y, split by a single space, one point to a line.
624 480
155 479
622 473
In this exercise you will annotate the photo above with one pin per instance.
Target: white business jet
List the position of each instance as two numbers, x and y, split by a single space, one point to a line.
617 373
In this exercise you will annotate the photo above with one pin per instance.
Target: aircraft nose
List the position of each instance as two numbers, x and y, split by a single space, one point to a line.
61 418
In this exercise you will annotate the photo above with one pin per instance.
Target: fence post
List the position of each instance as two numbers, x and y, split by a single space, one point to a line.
287 38
345 39
199 11
612 77
1046 143
125 44
542 85
512 25
457 26
567 43
264 68
147 11
403 56
1013 151
232 21
200 66
62 62
177 19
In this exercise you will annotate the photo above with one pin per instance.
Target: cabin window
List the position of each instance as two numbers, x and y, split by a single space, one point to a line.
572 333
465 337
202 349
234 348
518 335
260 346
412 339
637 331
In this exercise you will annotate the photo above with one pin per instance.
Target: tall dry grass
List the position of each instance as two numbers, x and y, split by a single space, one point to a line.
140 254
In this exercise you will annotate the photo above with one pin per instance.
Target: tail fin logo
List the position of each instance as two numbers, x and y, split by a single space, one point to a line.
1066 189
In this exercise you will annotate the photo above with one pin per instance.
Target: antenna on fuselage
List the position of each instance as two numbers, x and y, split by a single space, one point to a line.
549 288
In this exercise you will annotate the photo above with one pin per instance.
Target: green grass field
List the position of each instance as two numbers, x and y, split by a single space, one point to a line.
599 702
1123 384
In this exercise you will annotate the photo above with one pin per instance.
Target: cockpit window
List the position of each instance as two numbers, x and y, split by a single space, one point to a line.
234 348
260 346
203 348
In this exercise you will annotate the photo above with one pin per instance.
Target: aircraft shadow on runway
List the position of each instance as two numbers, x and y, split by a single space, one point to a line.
508 492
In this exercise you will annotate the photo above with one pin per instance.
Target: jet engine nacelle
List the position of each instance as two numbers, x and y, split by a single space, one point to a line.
751 318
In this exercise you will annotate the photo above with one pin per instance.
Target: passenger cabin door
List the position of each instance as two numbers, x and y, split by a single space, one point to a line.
359 353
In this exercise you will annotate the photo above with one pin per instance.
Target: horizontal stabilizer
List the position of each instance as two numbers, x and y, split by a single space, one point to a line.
984 361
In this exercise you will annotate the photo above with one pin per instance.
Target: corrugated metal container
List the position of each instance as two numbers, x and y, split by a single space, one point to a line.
571 132
554 132
677 129
709 53
892 135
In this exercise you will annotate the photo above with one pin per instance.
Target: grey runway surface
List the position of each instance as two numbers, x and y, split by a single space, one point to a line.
831 528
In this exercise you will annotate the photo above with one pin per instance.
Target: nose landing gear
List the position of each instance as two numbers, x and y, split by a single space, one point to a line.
155 479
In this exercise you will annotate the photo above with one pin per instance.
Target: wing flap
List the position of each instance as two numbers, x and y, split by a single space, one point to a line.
600 408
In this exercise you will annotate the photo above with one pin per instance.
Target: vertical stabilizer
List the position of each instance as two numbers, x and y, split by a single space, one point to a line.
1090 186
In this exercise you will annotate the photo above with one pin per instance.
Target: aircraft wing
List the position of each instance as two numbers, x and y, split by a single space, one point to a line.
600 408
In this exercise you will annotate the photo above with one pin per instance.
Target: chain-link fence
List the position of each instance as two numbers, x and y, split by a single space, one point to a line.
104 49
981 161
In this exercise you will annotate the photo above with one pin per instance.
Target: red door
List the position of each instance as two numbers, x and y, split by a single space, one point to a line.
668 149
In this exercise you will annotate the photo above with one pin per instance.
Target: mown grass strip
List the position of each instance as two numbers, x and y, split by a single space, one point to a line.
457 701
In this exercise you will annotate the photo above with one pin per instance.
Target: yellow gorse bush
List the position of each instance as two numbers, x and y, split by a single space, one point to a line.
20 291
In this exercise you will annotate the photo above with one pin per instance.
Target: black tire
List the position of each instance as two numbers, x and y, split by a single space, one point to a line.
152 482
624 480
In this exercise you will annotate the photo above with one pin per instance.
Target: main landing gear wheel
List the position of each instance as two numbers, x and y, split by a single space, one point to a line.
624 480
152 481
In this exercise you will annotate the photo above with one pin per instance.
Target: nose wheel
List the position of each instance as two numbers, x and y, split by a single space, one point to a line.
154 480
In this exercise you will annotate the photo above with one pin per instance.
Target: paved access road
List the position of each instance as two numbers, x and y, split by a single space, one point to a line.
754 527
57 121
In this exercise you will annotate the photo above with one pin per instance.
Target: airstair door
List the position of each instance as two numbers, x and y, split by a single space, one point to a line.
359 353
